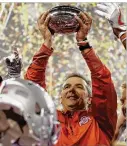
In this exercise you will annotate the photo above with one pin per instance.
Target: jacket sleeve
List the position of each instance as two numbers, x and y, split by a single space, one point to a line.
36 70
104 98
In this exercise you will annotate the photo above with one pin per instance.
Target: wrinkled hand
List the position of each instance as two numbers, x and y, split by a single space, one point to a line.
8 130
3 122
112 12
85 22
14 64
43 26
11 133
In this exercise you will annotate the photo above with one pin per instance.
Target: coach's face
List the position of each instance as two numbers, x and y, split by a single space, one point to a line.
74 95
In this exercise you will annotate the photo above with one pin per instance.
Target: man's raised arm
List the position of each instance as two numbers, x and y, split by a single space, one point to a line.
104 99
36 70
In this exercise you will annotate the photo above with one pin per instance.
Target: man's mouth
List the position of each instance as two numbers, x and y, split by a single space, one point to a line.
72 97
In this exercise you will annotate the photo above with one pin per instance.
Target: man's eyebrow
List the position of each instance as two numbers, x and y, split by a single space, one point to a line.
79 84
66 84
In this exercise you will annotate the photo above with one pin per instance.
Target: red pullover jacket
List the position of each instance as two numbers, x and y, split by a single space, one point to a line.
94 128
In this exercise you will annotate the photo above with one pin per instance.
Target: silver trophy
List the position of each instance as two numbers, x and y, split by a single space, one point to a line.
63 19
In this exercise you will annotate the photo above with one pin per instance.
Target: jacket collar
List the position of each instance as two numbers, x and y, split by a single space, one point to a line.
64 115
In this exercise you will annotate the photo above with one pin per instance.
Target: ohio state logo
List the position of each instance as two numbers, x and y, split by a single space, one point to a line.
84 120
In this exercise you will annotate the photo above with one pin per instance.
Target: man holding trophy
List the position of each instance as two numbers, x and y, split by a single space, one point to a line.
87 119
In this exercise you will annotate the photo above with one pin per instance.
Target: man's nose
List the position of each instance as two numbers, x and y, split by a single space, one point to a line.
72 89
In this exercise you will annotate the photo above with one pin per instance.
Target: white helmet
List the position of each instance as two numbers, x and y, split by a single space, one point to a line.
23 96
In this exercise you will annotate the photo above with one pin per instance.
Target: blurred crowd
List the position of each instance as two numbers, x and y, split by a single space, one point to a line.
18 23
18 27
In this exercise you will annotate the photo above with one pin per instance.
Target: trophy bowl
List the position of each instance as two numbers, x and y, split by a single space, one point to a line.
63 19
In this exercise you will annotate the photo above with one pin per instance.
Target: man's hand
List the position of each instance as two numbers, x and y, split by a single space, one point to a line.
11 132
112 12
14 64
8 129
85 22
3 122
43 27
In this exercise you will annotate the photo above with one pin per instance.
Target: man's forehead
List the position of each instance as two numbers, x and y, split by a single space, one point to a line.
74 80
